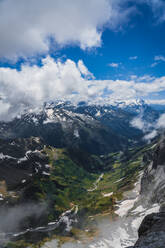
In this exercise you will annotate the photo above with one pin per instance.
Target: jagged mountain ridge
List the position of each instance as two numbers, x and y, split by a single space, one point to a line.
92 128
84 130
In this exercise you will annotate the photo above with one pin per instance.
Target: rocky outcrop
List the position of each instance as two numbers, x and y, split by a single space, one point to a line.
152 229
20 160
153 181
152 232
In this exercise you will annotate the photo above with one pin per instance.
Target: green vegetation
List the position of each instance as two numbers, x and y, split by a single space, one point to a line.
123 172
69 184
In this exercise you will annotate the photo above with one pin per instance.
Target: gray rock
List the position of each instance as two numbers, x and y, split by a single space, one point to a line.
152 229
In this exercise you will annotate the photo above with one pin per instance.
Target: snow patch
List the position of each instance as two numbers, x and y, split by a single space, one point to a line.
47 166
95 185
108 194
125 206
50 113
76 133
45 173
2 156
98 113
142 213
22 160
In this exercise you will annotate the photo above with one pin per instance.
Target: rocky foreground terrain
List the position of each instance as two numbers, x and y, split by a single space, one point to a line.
152 229
62 166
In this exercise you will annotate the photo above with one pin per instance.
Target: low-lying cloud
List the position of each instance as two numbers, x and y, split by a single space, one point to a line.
33 85
161 121
151 135
150 129
12 217
138 122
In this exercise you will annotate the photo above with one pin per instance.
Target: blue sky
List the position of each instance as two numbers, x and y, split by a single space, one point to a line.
141 38
111 46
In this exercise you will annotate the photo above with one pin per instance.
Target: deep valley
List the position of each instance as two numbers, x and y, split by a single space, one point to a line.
66 168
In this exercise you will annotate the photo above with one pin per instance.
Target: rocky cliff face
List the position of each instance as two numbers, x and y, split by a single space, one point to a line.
152 232
152 229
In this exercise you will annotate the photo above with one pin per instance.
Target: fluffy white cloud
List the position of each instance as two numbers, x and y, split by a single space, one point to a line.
160 124
34 85
4 108
84 70
156 101
57 80
151 130
151 135
27 26
138 123
161 121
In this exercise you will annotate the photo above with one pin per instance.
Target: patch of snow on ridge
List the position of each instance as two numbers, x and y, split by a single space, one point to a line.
47 166
108 194
95 185
50 113
49 121
142 213
50 116
12 143
22 160
98 113
76 133
45 173
125 206
2 156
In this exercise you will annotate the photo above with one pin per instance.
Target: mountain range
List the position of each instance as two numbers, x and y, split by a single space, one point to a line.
58 162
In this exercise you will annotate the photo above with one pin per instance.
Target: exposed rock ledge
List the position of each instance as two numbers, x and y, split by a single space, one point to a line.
152 229
152 232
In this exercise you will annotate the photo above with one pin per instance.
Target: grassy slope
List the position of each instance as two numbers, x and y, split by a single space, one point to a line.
67 184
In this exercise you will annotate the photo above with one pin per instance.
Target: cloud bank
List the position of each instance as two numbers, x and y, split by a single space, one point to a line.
150 129
56 80
27 27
